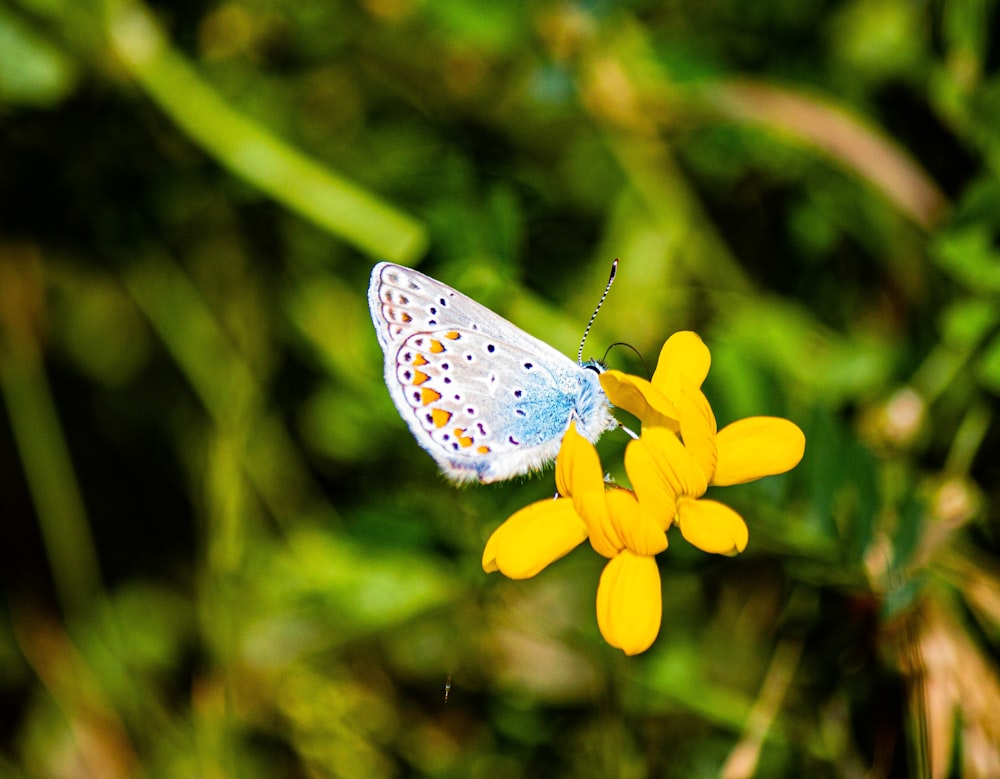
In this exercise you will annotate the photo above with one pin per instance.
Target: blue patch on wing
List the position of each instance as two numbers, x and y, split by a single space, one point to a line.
539 410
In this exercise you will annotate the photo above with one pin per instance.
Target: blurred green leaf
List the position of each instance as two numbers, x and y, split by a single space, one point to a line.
790 342
971 258
491 28
323 592
966 322
989 366
885 39
33 72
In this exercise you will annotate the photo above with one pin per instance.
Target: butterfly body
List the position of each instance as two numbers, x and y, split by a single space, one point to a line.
486 400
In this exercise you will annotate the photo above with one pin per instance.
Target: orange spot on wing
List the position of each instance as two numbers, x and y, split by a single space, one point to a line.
419 377
483 450
406 317
463 440
452 335
440 417
429 396
436 347
419 360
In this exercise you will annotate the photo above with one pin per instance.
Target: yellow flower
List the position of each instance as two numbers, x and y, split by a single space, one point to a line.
671 465
629 601
670 474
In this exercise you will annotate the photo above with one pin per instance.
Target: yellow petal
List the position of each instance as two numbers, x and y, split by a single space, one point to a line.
684 354
603 534
629 602
657 498
683 473
639 398
755 447
578 467
564 462
579 476
640 534
533 537
712 526
698 428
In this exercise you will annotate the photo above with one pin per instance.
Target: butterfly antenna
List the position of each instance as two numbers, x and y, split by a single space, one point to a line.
607 289
638 354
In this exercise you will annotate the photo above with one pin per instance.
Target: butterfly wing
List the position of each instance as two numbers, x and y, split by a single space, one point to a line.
404 301
484 398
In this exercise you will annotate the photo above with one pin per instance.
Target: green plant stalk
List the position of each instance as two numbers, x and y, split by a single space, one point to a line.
48 470
248 150
969 437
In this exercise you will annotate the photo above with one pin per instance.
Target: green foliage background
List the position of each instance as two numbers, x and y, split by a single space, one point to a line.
223 555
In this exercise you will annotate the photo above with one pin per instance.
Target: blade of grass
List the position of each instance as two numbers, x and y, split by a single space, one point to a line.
333 202
38 434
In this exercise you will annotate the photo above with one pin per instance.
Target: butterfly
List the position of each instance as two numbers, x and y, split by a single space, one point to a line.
486 400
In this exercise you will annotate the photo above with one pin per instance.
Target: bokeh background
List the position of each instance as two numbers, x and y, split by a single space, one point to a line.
224 555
